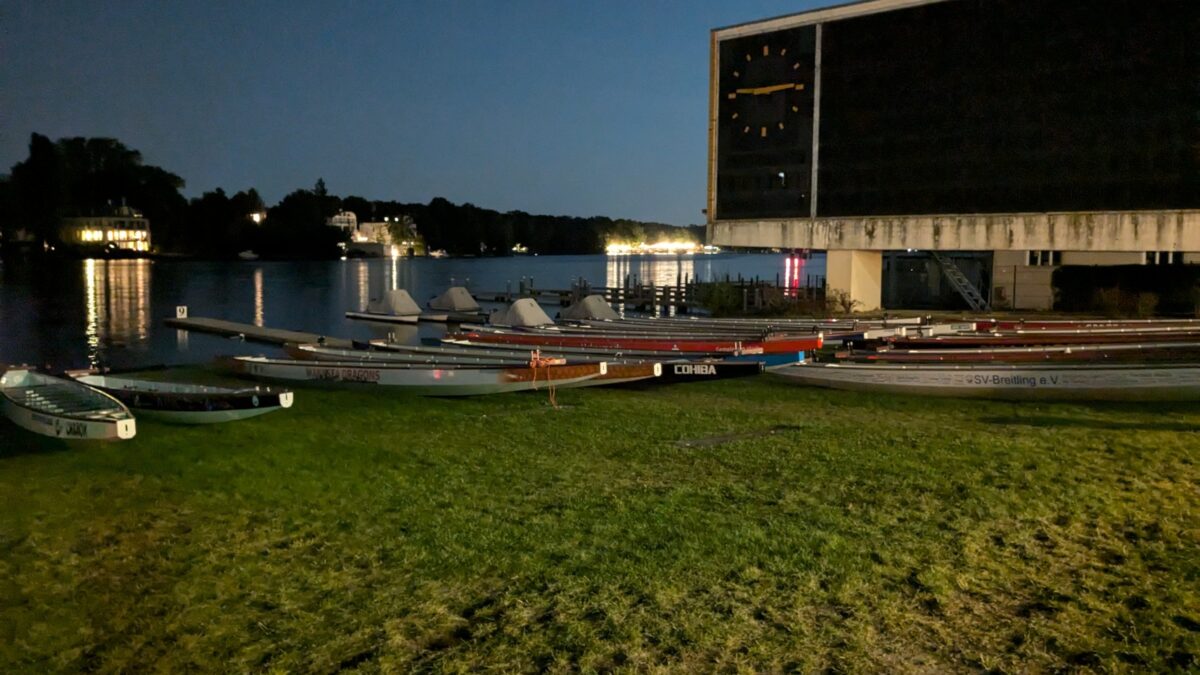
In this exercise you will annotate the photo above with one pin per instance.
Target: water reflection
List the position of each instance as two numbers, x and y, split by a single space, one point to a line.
116 305
622 270
258 297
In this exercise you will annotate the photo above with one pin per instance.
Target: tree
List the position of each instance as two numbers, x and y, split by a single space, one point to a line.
37 188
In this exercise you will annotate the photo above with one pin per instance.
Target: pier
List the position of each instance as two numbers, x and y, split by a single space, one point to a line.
253 333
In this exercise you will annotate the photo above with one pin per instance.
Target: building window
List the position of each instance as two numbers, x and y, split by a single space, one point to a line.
1164 258
1043 258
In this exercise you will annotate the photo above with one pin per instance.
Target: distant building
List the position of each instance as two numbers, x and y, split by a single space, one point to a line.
346 220
125 228
375 238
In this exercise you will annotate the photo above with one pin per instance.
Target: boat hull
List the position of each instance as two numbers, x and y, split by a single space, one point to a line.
410 320
104 418
183 403
703 371
68 428
1053 382
419 380
767 346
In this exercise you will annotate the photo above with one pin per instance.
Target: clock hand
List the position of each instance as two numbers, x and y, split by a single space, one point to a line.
769 90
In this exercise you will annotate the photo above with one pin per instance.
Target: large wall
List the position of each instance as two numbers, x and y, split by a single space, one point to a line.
962 107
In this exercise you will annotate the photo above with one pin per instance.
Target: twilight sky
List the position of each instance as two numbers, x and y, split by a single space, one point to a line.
574 107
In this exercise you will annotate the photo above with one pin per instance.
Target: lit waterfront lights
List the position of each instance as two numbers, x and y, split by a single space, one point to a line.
659 248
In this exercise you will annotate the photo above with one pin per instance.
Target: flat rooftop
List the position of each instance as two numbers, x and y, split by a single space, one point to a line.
822 15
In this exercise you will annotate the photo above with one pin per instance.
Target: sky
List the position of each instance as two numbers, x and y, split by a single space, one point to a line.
567 107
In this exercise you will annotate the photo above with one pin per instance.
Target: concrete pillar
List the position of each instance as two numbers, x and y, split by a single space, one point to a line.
857 273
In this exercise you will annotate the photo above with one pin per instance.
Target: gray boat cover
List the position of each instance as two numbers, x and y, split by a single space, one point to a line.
523 312
455 299
592 307
396 302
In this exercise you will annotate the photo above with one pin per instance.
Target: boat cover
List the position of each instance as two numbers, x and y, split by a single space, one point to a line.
592 307
524 312
455 299
396 302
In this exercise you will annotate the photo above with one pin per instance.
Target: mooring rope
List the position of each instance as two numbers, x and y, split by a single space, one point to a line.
536 361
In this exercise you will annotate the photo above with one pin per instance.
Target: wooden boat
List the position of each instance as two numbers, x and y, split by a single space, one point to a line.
763 346
623 373
52 406
186 403
1107 382
420 379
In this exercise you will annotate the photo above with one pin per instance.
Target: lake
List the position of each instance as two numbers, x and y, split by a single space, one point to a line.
77 313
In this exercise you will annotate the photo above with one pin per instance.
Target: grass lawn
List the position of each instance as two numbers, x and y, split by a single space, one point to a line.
749 524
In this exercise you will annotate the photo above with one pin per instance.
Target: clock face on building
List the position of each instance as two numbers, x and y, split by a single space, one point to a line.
764 123
764 94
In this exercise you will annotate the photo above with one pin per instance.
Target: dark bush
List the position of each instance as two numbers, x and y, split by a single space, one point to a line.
1128 290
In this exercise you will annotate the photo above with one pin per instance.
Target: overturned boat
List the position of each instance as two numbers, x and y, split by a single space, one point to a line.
61 408
185 403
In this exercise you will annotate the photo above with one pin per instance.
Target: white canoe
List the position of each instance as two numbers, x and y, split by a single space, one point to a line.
61 408
421 379
184 403
1107 382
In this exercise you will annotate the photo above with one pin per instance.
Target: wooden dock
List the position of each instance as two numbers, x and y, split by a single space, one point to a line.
253 333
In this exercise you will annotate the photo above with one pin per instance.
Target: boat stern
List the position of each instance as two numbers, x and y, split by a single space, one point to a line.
126 429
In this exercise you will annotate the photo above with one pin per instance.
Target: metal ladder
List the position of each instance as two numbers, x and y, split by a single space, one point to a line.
959 281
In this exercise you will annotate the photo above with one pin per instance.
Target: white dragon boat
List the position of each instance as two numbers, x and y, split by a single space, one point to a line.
1091 382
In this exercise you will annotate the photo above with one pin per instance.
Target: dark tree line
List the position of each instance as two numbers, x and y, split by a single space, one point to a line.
91 176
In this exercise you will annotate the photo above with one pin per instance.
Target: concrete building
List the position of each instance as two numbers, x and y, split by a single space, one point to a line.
125 229
1025 134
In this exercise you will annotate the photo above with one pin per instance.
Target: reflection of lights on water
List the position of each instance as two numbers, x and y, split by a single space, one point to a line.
364 285
141 301
395 273
258 297
117 303
649 271
93 323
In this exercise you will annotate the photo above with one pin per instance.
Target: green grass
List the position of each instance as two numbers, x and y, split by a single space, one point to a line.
739 525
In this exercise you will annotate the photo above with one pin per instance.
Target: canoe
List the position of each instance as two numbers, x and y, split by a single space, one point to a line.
61 408
764 346
184 403
1107 382
420 379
